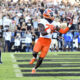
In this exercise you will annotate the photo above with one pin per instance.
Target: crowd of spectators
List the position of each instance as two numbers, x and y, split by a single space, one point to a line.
19 25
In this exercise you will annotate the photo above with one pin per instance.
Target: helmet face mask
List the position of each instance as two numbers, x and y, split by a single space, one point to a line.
48 14
51 14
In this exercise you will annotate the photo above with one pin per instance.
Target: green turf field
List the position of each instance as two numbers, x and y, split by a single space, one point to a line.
56 66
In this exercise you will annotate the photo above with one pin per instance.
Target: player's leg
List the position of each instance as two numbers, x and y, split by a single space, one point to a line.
36 49
34 57
40 60
44 52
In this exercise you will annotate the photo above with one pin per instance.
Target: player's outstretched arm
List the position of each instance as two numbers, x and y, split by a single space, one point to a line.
63 31
42 29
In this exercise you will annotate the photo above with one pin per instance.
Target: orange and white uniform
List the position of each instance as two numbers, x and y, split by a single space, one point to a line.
43 43
48 26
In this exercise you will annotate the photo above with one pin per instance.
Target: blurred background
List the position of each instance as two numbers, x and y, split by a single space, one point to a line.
19 24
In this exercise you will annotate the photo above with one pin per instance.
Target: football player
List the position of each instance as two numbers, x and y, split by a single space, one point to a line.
47 26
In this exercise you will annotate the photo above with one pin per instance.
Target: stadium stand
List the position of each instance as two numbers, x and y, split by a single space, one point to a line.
19 19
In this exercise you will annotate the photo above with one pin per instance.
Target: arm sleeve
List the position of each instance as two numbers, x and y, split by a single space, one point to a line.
63 31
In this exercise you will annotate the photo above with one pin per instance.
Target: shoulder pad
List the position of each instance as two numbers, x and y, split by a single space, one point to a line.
42 21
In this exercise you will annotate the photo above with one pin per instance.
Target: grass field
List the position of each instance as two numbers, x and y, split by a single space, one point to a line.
56 66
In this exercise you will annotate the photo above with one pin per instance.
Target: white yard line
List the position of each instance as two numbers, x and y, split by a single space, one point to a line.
13 58
19 75
16 67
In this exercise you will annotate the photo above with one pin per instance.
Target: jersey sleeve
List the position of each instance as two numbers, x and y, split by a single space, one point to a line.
63 31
